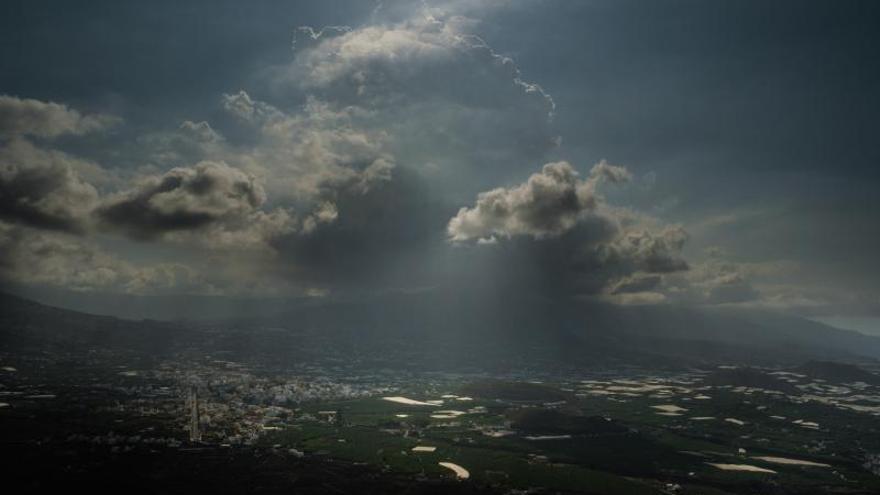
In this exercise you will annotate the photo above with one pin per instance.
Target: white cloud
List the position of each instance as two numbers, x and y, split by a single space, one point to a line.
310 155
439 93
646 250
548 204
28 117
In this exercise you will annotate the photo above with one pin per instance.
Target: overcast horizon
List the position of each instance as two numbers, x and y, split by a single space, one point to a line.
705 154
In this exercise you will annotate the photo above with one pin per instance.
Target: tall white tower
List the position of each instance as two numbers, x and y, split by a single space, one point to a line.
195 432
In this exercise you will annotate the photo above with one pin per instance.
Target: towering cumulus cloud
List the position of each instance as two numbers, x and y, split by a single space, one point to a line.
442 94
550 203
589 246
413 60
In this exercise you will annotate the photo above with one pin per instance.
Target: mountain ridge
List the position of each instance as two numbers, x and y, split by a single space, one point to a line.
450 327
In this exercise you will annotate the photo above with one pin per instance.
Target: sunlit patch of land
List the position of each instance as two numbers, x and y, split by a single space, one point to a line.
460 472
792 462
410 402
741 467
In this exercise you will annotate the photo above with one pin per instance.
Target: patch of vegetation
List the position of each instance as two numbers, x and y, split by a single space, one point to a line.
514 391
553 422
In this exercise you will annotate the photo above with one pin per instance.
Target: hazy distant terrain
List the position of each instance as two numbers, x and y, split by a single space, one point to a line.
461 328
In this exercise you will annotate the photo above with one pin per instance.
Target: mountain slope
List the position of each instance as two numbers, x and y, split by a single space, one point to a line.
582 333
26 324
449 329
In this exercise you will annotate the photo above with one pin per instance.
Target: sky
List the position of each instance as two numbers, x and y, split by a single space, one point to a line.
701 153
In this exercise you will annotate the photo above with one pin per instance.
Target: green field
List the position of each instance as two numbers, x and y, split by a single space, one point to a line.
641 454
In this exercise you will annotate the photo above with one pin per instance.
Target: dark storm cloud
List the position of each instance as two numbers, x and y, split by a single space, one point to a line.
385 237
575 263
41 188
208 195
